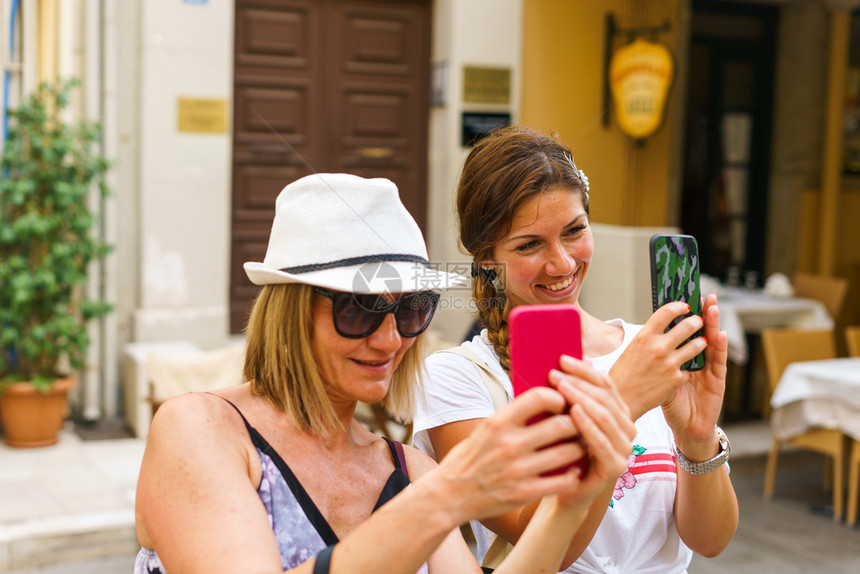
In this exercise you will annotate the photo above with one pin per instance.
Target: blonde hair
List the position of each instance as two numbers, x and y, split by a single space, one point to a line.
502 171
280 364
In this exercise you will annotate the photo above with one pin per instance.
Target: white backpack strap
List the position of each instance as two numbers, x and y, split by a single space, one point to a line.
497 391
499 547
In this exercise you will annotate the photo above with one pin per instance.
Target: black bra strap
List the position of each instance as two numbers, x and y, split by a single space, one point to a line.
397 454
229 402
397 481
315 517
323 561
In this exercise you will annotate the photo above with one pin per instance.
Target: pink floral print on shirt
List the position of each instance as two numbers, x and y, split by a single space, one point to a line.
626 480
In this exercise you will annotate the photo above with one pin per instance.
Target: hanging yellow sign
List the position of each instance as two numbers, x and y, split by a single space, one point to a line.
640 77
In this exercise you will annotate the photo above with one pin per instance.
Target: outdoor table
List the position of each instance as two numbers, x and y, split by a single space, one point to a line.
744 312
748 311
824 393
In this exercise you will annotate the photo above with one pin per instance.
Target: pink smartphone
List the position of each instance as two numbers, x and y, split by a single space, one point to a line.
539 336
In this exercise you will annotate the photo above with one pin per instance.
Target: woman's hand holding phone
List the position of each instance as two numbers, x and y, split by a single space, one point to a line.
675 268
649 371
693 409
603 420
506 462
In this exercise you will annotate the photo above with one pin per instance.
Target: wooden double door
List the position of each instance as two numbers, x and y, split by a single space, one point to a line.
323 86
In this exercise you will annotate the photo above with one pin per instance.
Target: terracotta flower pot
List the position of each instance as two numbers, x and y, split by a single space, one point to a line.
32 418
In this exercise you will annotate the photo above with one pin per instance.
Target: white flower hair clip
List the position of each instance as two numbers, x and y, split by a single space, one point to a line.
578 172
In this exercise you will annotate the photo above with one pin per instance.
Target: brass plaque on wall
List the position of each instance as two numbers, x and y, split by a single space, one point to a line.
202 115
486 85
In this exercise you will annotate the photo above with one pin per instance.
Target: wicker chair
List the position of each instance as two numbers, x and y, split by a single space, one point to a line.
785 346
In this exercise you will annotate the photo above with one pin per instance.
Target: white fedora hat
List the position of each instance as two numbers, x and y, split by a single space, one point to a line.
347 233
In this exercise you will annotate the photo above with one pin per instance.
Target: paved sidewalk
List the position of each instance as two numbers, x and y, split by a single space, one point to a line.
794 533
73 501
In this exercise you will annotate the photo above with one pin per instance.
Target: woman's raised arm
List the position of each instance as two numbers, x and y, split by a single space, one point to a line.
198 506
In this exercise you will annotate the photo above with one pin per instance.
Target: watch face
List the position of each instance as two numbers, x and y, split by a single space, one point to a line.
725 445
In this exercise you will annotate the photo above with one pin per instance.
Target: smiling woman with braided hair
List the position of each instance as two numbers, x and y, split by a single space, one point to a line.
523 208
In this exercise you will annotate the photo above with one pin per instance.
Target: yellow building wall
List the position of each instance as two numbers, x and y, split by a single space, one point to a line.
562 93
847 262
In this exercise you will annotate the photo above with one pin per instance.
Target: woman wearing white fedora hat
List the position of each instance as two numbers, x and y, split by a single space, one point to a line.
275 474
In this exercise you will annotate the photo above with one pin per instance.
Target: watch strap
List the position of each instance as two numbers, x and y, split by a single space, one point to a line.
704 467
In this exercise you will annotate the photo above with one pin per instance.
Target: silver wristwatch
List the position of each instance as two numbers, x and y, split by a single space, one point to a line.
708 465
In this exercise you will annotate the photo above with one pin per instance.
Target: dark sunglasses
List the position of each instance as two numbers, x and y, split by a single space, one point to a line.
358 315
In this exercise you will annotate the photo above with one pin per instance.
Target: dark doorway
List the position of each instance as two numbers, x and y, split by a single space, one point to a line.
323 86
728 123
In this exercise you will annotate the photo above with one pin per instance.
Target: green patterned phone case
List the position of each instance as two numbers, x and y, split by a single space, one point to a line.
675 277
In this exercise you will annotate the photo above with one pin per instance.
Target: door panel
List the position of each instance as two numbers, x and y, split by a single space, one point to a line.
267 114
276 124
323 86
382 78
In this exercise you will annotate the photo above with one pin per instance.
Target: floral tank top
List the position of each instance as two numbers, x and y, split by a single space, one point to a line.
300 529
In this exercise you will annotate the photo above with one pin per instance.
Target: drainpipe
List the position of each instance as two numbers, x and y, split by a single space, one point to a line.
831 185
108 63
102 373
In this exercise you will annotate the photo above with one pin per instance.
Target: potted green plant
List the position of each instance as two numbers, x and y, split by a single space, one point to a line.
50 169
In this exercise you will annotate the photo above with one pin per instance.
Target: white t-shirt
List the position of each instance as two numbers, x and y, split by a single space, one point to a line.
638 533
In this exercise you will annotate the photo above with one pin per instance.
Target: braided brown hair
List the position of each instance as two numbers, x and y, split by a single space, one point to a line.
501 172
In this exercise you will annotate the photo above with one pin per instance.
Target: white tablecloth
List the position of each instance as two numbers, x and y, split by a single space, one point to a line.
751 310
817 394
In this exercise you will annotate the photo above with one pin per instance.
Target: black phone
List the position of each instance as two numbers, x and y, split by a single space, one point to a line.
675 277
